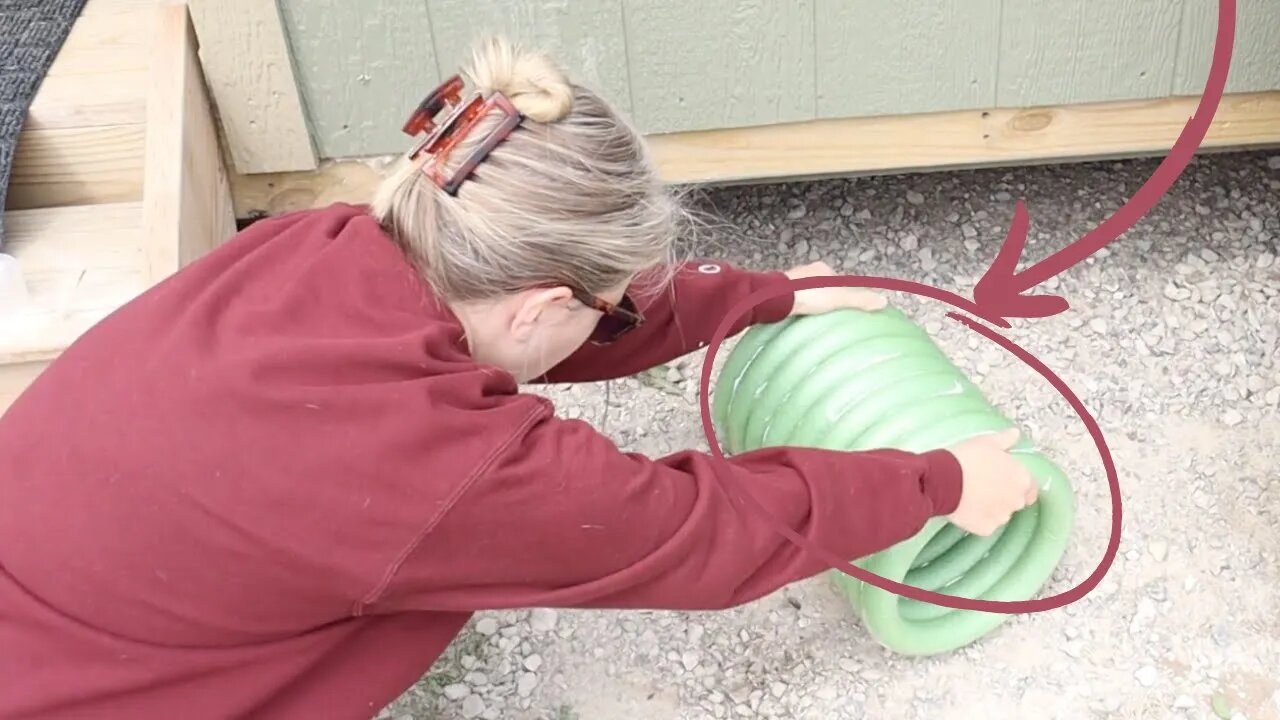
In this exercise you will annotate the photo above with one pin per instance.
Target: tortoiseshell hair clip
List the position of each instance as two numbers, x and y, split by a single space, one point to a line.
443 136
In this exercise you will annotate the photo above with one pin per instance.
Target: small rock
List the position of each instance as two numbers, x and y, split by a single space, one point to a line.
915 198
777 689
1098 325
472 707
525 685
1159 550
1003 196
543 619
1183 702
1273 162
532 663
968 230
487 626
690 659
1232 417
863 214
1209 255
971 245
1220 635
1265 260
827 693
927 263
456 691
909 242
797 212
1147 676
476 679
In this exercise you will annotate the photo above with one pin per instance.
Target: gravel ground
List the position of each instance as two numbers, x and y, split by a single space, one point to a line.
1171 342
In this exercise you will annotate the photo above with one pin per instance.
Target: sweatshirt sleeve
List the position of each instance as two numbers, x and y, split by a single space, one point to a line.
679 319
563 518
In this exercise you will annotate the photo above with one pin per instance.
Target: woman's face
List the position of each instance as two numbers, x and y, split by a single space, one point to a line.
530 333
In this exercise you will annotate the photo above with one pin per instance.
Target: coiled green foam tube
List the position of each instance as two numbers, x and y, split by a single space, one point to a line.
851 380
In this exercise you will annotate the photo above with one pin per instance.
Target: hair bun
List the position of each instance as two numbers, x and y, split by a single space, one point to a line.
535 85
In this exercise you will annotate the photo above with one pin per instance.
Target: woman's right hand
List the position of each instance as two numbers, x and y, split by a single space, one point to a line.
995 484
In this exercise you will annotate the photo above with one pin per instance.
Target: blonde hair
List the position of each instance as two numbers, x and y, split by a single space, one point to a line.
570 196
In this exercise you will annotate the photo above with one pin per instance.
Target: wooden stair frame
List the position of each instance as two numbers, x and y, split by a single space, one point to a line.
88 246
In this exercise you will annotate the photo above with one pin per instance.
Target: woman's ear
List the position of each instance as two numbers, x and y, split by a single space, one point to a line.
534 306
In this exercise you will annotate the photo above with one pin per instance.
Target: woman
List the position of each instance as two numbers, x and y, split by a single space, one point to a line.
280 482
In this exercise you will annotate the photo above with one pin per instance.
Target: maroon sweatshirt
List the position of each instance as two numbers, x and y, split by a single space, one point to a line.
276 485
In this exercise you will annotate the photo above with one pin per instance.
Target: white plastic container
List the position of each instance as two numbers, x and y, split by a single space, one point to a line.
13 289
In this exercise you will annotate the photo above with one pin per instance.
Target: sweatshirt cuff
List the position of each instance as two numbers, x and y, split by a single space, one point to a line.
777 308
943 481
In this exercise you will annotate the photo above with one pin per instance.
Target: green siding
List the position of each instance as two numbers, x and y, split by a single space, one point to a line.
873 58
683 65
585 36
702 64
1255 55
1055 52
361 71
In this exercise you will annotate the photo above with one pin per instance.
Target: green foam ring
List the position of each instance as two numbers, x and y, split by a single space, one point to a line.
853 380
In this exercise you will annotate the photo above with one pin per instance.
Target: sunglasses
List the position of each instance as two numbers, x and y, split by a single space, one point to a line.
616 319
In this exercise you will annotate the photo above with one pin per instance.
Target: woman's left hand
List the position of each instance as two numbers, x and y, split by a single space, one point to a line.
817 301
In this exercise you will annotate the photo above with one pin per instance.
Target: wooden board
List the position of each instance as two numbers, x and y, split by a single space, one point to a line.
875 59
361 71
83 138
103 43
76 166
714 63
1055 52
1255 55
585 36
820 148
136 8
79 264
249 72
85 101
14 380
186 198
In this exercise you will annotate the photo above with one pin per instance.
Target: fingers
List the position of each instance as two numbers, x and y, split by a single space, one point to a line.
1003 440
866 300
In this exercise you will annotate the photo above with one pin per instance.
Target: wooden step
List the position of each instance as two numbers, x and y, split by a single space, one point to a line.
79 264
119 193
84 138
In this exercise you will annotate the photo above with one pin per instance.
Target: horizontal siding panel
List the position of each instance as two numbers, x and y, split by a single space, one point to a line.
703 64
1055 52
1255 55
361 71
586 37
882 58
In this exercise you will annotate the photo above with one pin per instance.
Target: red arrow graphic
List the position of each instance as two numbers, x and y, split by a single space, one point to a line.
998 294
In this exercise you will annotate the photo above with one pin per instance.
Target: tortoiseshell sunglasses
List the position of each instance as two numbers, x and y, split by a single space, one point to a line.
616 319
